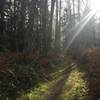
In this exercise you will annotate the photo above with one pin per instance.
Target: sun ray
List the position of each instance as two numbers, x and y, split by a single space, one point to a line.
81 24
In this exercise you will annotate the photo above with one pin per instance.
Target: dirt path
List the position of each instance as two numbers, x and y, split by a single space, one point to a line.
57 89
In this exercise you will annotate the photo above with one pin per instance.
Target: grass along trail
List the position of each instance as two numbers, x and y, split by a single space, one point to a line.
67 84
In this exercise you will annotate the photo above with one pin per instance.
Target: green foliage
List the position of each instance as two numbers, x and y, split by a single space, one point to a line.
44 88
18 80
75 87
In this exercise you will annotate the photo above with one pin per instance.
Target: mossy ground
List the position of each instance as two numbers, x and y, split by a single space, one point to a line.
74 87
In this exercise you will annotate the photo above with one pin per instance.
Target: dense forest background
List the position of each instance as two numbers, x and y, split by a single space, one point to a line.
42 26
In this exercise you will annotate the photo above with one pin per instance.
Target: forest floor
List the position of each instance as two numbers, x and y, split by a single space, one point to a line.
68 83
29 77
76 79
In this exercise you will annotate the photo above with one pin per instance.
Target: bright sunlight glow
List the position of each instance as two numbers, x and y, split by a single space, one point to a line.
95 5
95 8
81 25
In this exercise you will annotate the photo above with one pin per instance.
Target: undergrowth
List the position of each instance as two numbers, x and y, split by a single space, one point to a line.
43 88
75 87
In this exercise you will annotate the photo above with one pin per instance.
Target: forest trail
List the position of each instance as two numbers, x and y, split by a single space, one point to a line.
70 86
57 89
67 84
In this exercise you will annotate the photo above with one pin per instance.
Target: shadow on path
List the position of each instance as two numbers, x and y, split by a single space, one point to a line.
57 89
